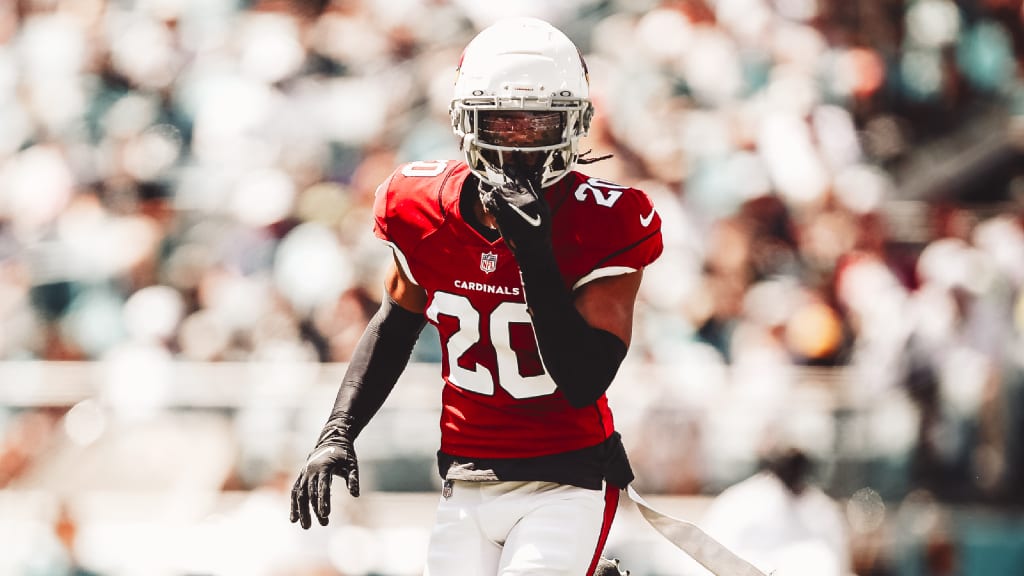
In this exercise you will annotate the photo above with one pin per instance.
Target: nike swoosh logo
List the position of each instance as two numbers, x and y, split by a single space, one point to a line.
531 220
645 221
320 452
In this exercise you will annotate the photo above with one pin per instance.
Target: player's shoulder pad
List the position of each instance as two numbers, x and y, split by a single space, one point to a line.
413 195
602 227
604 205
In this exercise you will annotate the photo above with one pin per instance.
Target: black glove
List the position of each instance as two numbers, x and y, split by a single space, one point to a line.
332 455
523 216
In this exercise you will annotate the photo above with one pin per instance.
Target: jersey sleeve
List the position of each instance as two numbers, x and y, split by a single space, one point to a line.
618 231
381 210
406 208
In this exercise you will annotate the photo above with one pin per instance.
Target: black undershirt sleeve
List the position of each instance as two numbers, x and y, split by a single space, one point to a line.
379 359
581 359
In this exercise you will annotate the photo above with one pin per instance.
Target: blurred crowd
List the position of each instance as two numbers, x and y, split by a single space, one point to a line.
193 180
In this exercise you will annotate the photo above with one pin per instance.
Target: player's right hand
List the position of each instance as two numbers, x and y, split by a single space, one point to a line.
333 455
522 214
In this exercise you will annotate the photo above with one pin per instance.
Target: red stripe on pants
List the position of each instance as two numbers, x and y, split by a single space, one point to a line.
611 505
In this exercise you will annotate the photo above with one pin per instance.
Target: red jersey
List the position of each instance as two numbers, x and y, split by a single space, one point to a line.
497 400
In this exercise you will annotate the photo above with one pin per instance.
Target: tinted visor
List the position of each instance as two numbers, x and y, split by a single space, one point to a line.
521 128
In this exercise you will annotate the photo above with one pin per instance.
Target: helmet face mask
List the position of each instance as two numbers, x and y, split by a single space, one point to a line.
519 143
522 102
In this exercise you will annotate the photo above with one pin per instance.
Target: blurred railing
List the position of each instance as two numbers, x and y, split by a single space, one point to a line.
203 455
691 429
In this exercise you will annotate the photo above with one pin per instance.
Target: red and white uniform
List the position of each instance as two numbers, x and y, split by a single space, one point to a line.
498 402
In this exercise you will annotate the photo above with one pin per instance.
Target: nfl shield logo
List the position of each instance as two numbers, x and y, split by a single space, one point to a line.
488 262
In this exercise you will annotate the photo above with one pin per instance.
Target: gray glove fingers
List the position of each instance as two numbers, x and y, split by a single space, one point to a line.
294 516
323 508
312 485
300 502
353 480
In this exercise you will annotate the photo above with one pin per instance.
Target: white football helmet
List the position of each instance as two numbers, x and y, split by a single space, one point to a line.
521 64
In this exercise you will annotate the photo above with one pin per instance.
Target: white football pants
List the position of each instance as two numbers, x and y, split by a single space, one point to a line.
519 528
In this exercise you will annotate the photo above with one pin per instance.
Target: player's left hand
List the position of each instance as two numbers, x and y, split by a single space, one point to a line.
522 214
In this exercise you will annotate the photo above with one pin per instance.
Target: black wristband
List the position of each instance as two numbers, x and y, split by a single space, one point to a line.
379 359
581 359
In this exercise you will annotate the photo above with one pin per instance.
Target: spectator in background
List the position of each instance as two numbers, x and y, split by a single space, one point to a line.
780 520
960 368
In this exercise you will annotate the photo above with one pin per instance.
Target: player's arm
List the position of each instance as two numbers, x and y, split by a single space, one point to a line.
608 303
582 340
379 359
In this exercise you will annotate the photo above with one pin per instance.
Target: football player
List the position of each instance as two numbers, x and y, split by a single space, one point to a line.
529 270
